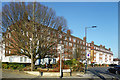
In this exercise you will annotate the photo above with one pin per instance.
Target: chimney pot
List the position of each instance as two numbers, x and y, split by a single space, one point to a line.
84 38
68 32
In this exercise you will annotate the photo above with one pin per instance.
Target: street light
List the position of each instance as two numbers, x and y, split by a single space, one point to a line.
61 50
85 46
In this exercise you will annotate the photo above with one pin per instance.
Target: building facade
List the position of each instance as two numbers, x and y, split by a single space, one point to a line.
74 47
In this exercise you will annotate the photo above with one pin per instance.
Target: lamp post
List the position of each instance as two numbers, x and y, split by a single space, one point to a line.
86 47
61 50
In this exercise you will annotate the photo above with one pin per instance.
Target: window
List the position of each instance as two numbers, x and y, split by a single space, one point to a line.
88 48
10 59
60 42
69 55
66 55
77 45
73 45
21 59
9 51
25 59
81 47
80 42
74 40
69 38
65 38
94 47
66 43
6 52
70 44
77 41
88 44
83 43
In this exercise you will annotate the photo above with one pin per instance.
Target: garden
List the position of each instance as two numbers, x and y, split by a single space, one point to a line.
72 64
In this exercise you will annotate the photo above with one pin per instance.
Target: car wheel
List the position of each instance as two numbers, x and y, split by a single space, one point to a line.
108 71
117 72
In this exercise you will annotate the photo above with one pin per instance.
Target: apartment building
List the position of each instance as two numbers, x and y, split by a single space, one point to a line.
74 47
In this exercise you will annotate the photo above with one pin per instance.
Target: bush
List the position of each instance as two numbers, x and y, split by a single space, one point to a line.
95 65
13 66
42 66
68 62
4 66
66 67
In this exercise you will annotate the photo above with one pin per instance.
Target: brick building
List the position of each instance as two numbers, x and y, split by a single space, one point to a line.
74 47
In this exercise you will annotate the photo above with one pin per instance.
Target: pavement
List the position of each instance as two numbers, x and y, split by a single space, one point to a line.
99 73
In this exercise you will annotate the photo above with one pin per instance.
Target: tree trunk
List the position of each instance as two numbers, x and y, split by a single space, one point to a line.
32 62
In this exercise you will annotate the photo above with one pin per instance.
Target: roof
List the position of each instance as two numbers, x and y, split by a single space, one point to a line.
116 59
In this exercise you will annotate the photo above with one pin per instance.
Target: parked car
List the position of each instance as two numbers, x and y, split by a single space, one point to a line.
112 65
115 70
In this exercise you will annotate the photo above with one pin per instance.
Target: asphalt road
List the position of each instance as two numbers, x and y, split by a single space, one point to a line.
103 73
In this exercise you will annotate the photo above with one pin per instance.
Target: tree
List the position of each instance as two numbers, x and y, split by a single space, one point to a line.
79 53
28 26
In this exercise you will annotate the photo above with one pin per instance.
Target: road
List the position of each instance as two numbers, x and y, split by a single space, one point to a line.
103 73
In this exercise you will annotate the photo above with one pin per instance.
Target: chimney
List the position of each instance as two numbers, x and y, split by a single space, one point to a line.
100 46
92 42
84 38
103 46
109 49
68 32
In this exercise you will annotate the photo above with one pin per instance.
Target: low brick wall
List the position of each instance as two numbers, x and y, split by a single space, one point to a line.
37 73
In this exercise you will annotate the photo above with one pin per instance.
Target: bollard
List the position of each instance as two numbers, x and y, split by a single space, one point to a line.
41 73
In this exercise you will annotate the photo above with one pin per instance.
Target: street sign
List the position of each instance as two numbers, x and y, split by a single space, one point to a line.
88 54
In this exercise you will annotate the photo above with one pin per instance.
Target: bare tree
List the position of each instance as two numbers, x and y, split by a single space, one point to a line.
31 29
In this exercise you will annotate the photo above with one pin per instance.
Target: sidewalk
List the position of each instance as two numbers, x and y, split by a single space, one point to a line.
82 75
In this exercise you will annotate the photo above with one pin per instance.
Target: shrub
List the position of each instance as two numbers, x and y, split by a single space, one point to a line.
68 62
12 66
4 66
42 66
66 67
95 65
